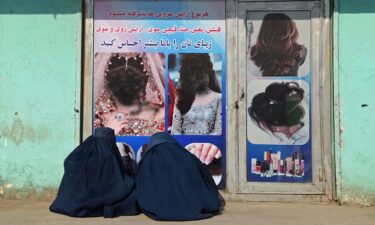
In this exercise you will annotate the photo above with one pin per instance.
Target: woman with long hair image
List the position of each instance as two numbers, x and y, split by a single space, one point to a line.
278 111
198 104
276 51
131 97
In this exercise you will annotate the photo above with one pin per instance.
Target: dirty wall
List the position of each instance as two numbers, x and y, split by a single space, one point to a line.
40 61
354 105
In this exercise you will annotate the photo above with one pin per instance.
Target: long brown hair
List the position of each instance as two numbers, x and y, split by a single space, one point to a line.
276 51
195 67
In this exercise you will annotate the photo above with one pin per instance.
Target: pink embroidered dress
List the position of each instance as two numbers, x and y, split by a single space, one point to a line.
107 110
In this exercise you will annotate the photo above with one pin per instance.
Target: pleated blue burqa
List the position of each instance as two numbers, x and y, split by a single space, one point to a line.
94 181
172 184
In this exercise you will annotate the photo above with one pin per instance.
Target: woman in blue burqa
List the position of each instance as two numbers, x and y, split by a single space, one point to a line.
173 184
95 182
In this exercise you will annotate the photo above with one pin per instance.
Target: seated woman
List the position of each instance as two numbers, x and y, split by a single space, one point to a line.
278 110
95 181
173 184
131 100
276 51
198 104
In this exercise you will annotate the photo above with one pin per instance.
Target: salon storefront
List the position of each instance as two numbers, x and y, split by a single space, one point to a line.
262 121
274 96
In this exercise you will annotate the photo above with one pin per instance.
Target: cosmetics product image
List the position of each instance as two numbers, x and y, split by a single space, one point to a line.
293 164
258 166
288 166
265 156
303 163
285 168
296 160
253 165
264 169
281 165
274 159
270 171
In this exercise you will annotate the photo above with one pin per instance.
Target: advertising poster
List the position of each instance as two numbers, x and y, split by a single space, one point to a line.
159 66
278 96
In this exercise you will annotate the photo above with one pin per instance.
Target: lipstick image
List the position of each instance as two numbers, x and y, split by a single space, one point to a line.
293 170
278 162
274 159
270 171
303 163
269 156
258 166
253 165
282 167
297 162
288 165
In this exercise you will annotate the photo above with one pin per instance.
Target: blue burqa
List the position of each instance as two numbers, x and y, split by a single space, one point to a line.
172 184
94 181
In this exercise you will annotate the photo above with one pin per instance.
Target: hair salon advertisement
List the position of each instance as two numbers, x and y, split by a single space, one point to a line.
159 66
278 96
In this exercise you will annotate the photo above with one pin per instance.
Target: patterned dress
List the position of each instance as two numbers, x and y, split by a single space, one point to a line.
105 106
199 120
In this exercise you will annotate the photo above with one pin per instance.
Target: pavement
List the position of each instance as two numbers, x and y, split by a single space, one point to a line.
30 212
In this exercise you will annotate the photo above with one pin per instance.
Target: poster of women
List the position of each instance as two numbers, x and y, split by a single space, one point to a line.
159 66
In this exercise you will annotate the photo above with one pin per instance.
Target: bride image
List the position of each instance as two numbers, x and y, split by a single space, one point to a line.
129 93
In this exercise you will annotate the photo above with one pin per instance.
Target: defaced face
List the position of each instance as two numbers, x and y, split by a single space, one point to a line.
202 81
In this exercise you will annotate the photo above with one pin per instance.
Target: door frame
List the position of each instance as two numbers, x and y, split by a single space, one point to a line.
322 186
88 62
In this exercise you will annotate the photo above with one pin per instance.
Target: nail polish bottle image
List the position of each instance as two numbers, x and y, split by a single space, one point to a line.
270 171
296 160
269 156
264 169
253 165
278 162
265 155
293 169
283 168
258 166
288 162
303 163
274 159
269 160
